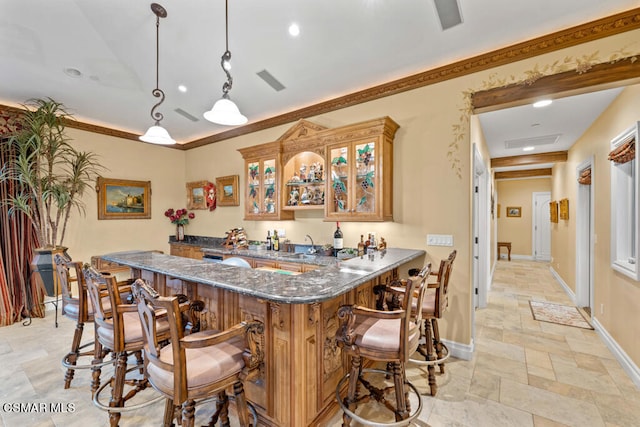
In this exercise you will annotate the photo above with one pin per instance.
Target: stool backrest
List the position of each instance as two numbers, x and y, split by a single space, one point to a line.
442 291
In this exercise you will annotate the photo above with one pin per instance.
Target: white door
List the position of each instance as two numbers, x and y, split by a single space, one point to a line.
541 226
584 240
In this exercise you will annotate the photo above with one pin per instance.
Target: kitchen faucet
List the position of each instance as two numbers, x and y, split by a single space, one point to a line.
312 249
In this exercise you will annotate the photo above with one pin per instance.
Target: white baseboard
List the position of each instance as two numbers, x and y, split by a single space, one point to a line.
564 285
627 364
460 351
621 356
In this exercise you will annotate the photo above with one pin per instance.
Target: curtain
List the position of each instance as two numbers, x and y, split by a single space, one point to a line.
625 152
20 295
585 176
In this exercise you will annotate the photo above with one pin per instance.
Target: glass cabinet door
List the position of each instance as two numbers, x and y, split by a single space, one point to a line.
364 185
269 196
252 206
338 200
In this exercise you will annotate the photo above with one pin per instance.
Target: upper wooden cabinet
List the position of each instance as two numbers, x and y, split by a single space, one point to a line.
347 171
360 172
262 178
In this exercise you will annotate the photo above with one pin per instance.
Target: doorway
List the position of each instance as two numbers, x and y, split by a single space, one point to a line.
541 226
585 236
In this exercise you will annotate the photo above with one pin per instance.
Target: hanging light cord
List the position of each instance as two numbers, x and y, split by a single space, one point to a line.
157 92
226 56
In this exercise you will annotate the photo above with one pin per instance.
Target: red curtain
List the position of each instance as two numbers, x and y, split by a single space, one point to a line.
20 295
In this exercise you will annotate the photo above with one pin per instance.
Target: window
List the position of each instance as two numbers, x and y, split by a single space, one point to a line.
624 203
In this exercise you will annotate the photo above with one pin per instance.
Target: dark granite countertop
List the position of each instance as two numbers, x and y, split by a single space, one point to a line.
314 286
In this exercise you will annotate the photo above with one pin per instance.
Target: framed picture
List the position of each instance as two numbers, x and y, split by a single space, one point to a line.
564 209
553 210
228 190
123 199
196 194
514 211
498 210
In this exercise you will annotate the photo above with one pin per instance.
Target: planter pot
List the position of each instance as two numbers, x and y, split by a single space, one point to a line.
44 267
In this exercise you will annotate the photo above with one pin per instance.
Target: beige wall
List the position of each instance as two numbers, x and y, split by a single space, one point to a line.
429 196
517 230
616 297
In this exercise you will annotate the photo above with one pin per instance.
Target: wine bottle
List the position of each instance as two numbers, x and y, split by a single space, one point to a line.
269 246
338 242
276 241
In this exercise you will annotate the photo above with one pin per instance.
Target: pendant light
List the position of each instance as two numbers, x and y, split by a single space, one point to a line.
224 111
156 134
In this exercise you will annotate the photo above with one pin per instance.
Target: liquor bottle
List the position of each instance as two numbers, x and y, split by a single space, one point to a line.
269 246
361 247
276 241
338 242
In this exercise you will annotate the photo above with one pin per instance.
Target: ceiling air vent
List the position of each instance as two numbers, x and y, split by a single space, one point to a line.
532 142
448 13
186 115
270 80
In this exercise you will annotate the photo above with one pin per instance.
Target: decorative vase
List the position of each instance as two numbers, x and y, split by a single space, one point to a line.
43 266
180 232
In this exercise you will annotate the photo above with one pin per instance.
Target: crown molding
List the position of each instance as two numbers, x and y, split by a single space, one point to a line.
529 173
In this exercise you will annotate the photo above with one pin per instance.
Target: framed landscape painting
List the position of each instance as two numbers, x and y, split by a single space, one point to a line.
228 190
123 199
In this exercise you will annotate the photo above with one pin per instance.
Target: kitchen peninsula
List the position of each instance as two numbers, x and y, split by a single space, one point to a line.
303 364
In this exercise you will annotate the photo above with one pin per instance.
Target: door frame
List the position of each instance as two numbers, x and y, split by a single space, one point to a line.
480 230
585 237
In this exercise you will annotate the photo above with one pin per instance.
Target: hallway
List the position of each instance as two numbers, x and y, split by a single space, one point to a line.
524 372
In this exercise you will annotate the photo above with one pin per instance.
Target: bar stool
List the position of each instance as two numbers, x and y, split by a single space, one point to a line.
383 336
118 329
77 306
196 366
433 350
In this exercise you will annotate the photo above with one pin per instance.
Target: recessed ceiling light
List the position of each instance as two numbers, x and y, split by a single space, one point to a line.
529 148
294 30
182 88
73 72
542 103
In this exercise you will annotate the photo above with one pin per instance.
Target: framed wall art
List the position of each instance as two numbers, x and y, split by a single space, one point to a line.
564 209
514 211
197 194
123 199
553 211
228 190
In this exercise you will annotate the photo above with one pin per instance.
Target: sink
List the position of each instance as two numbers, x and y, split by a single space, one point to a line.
299 255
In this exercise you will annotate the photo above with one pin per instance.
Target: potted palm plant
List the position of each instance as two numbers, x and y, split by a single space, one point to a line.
50 178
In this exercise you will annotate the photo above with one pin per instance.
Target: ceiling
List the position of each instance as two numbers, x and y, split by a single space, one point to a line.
343 46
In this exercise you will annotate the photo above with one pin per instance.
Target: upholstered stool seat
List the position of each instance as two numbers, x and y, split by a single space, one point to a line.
381 336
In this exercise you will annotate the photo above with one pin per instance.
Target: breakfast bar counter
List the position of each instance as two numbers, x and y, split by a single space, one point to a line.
302 362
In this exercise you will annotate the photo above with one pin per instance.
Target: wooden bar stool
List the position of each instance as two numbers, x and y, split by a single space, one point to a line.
383 336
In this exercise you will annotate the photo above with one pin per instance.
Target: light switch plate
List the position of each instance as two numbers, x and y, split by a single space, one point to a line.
439 240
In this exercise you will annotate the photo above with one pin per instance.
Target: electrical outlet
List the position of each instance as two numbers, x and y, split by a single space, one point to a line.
439 240
281 232
601 308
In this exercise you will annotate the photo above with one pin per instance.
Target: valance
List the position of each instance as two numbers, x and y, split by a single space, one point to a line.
585 176
625 152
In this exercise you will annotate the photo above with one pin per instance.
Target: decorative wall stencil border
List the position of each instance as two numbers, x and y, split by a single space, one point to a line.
605 27
580 65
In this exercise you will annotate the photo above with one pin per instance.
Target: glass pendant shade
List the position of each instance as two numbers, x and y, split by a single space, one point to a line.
225 112
157 135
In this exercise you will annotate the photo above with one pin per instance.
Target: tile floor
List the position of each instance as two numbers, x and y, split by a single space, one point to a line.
523 373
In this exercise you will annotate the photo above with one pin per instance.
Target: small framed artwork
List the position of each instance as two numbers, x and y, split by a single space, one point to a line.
123 199
196 194
228 190
514 211
564 209
498 210
553 211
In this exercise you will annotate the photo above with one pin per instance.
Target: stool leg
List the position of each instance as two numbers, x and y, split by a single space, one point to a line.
402 411
72 357
430 356
241 404
118 387
169 413
349 401
99 354
188 412
437 343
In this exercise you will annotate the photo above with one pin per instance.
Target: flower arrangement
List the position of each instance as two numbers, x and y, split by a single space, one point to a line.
180 217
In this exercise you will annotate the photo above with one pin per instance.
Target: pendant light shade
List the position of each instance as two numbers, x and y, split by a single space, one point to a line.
156 134
225 111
